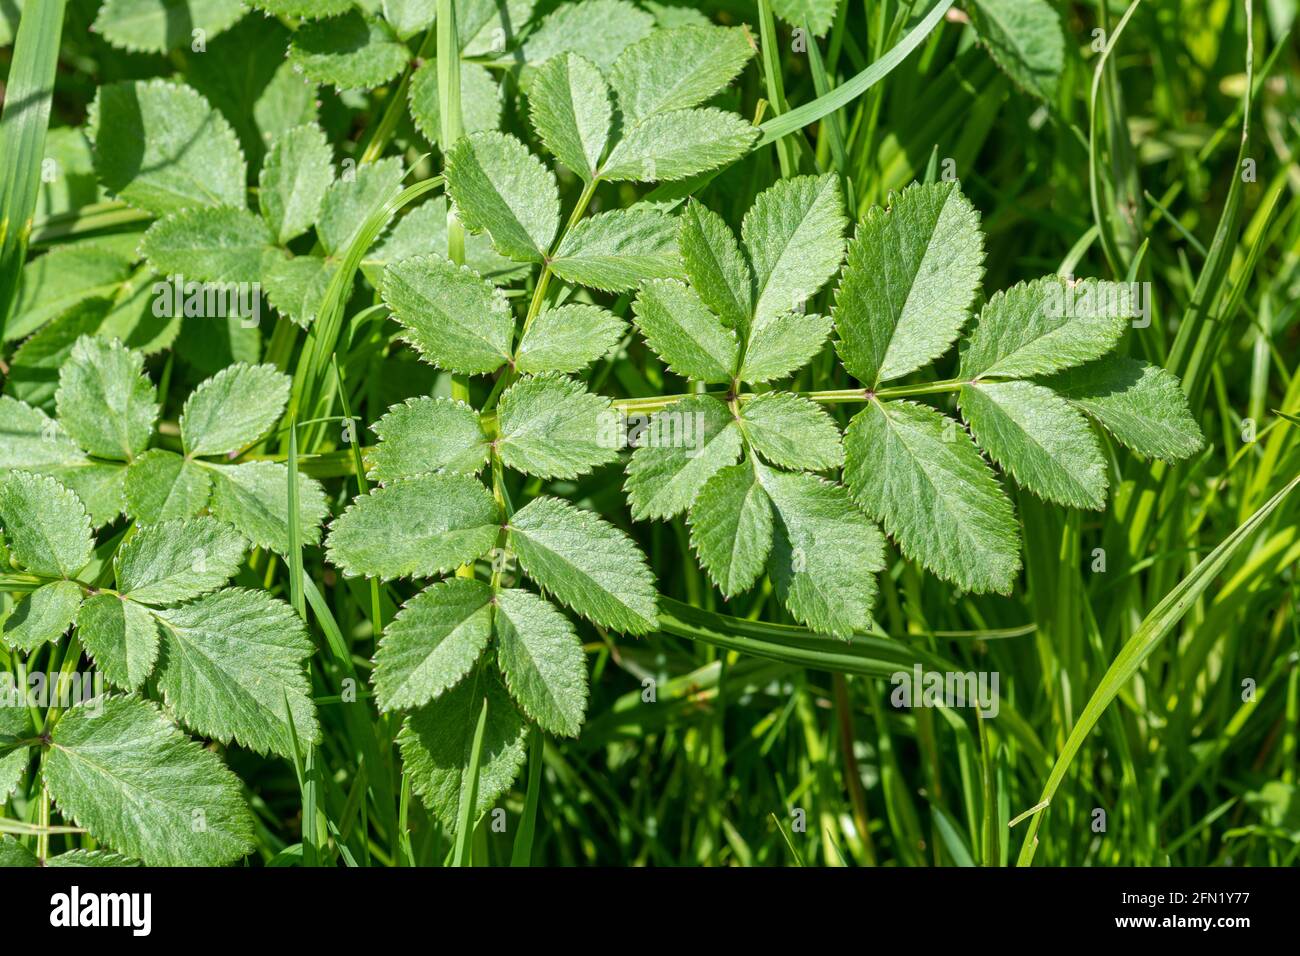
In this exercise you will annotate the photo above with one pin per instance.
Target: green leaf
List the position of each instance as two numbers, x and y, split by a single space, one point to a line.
717 269
480 99
490 27
1142 405
209 244
499 187
141 786
350 52
34 369
45 525
15 725
568 29
816 15
351 200
178 560
229 663
233 409
792 432
409 17
678 145
419 527
424 435
681 448
912 274
568 339
161 484
291 187
569 105
452 317
436 741
690 339
89 858
43 615
254 497
676 69
731 527
794 235
919 474
552 427
542 661
63 277
1025 38
614 251
587 563
1044 326
105 401
309 9
825 553
161 147
13 854
1037 436
156 26
121 636
432 643
296 287
423 231
782 344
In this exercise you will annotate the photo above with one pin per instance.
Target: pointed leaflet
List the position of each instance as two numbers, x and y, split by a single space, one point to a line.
138 785
690 339
436 742
121 636
161 484
816 15
351 200
228 664
585 562
63 277
717 269
569 29
792 431
45 525
552 427
678 145
480 99
569 106
291 187
676 69
99 485
43 615
825 553
178 560
568 339
104 399
209 244
156 26
296 286
254 497
1044 326
501 188
33 371
919 474
12 853
1142 405
794 236
233 409
679 450
452 317
434 641
161 147
1025 38
912 274
425 435
409 17
1036 436
418 526
780 345
731 527
15 725
350 52
614 251
542 661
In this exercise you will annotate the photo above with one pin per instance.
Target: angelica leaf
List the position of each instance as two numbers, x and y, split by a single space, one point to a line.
350 52
616 250
1025 38
254 497
104 399
233 409
690 339
433 642
161 484
676 69
587 563
351 200
552 427
731 527
137 784
418 526
499 187
570 109
912 274
782 344
568 29
568 338
680 449
677 145
292 184
480 99
178 560
716 267
425 435
296 286
45 525
542 661
792 431
816 15
919 474
156 26
41 616
209 244
121 636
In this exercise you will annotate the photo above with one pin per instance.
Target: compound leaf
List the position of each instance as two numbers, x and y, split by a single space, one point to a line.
716 267
681 448
121 636
678 145
254 497
568 338
731 527
161 484
43 615
792 432
500 188
45 525
676 69
178 560
690 339
570 109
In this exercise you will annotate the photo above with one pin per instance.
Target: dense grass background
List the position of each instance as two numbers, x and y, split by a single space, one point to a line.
711 772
